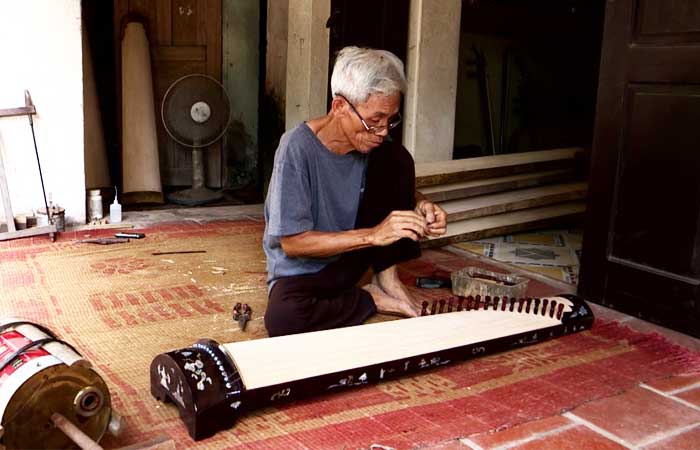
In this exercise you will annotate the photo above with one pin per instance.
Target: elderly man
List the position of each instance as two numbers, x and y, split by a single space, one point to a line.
341 199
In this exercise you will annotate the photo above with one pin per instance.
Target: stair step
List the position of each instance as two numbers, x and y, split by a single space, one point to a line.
466 189
489 205
443 172
507 223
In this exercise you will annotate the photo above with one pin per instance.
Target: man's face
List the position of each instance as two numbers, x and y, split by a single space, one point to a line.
378 111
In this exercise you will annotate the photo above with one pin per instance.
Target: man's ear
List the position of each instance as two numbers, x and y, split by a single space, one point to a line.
338 106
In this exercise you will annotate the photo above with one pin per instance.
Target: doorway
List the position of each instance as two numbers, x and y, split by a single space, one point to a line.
210 37
380 24
527 75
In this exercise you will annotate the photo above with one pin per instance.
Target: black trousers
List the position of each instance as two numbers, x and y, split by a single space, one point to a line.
330 297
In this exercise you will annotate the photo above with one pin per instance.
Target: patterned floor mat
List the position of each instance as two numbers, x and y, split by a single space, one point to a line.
554 253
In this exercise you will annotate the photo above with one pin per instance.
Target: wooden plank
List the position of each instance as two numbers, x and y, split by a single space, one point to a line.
164 23
204 19
213 35
179 53
104 226
34 231
442 172
453 191
21 111
279 360
489 205
512 222
185 20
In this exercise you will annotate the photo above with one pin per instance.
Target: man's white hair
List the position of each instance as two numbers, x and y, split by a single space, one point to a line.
361 72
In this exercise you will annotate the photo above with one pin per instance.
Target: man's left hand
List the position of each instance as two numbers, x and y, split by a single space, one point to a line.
435 216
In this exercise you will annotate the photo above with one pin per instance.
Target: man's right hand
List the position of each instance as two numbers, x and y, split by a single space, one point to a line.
399 225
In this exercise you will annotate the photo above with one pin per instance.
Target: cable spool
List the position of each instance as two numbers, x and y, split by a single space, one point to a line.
40 376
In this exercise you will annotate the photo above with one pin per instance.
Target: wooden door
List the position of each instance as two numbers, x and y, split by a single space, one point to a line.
379 24
641 249
185 38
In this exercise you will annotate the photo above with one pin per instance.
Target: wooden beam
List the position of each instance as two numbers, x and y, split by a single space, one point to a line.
512 222
453 191
442 172
34 231
489 205
21 111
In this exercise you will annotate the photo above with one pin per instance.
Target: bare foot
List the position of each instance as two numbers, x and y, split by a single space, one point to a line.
387 304
388 280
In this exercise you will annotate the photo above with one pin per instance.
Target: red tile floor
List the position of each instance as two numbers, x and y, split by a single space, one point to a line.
663 415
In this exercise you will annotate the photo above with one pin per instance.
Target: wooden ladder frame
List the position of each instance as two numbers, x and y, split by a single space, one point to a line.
12 231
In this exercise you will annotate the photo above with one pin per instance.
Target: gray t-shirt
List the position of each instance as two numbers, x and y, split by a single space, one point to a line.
311 188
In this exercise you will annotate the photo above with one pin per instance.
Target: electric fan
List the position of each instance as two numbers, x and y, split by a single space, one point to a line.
196 113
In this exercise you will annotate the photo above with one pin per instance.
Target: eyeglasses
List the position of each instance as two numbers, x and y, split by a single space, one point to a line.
393 123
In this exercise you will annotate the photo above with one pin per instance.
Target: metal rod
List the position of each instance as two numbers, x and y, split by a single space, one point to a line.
74 433
28 102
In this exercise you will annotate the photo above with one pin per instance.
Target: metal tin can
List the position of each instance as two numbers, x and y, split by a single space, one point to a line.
40 375
58 215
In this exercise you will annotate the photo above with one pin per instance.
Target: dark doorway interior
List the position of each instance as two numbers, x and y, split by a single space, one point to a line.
528 73
379 24
98 20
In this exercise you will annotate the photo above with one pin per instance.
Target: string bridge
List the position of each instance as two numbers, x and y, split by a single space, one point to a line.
529 305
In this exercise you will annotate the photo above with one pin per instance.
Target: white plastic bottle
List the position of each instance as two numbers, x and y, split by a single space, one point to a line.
115 210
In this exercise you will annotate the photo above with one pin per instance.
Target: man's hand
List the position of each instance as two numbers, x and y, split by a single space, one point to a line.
434 215
398 225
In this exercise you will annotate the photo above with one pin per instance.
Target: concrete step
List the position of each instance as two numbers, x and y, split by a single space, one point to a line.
510 222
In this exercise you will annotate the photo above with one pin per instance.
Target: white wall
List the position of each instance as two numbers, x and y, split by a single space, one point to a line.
40 50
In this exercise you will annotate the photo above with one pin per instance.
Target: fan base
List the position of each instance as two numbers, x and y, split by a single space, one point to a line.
194 196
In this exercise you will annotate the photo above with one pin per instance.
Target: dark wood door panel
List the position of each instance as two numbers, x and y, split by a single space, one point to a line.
657 202
188 22
671 21
641 248
660 299
661 64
